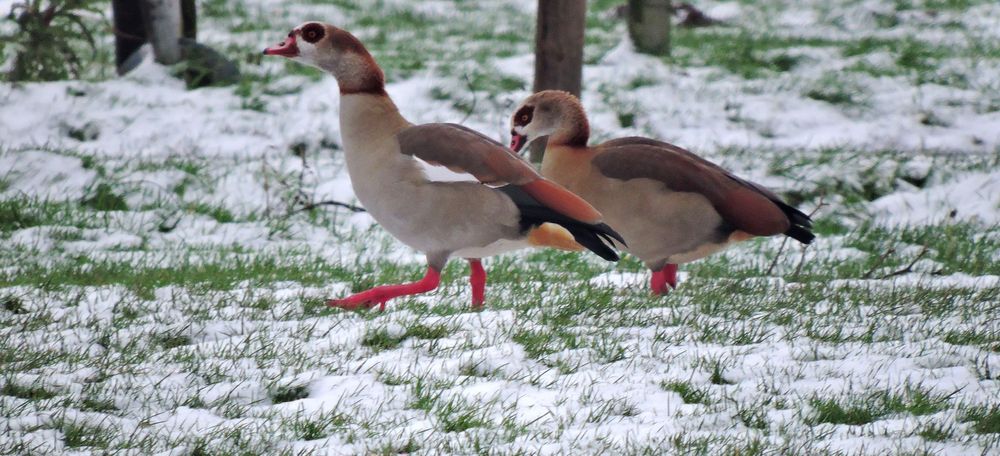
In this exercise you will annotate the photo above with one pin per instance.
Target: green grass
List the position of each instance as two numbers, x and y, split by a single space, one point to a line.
78 435
13 305
754 54
316 427
835 90
936 432
574 330
429 332
982 337
168 341
689 393
424 395
394 448
21 213
833 412
858 411
381 339
458 416
104 198
958 247
92 404
744 53
220 214
985 420
222 274
753 416
717 376
11 388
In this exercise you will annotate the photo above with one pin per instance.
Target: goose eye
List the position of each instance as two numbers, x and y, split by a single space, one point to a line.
312 33
523 115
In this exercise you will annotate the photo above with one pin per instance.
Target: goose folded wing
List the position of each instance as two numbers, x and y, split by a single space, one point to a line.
463 150
746 206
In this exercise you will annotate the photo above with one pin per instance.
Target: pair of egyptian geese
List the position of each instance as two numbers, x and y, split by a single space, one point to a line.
669 205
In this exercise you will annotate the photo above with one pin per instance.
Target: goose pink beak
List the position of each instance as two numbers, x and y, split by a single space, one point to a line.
286 48
517 141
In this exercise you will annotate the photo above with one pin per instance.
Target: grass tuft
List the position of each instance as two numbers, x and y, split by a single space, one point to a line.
77 434
424 395
220 214
833 412
381 340
171 340
316 427
104 198
13 305
458 416
936 432
428 332
912 400
35 393
289 393
92 404
716 376
689 393
985 420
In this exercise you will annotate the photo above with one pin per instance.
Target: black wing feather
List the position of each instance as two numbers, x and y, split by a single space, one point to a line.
596 237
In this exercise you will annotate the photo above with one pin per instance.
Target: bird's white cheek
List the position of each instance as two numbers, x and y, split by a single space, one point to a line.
307 52
531 130
520 130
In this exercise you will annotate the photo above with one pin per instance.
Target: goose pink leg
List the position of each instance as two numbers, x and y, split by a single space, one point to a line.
662 278
379 295
477 278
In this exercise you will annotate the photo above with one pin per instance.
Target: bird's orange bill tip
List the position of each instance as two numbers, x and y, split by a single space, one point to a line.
286 48
552 235
563 201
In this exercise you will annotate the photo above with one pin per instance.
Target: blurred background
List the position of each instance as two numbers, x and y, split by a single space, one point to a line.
174 209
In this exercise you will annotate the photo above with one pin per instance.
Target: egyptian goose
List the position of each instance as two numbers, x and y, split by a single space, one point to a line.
508 205
671 206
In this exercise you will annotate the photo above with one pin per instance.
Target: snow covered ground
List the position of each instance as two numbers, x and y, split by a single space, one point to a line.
161 286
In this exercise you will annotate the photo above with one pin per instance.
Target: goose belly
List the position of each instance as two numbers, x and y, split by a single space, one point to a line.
659 225
437 217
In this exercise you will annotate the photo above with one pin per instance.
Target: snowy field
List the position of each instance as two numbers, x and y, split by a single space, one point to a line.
162 276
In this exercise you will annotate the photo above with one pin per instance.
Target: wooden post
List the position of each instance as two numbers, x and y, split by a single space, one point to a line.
649 25
163 24
558 51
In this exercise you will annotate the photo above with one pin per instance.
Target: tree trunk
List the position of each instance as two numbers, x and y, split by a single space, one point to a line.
130 34
189 18
163 23
649 25
558 50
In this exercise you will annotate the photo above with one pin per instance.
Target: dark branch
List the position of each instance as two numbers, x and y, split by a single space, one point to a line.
311 206
909 267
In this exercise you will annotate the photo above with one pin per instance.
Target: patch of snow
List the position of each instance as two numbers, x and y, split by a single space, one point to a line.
44 175
972 197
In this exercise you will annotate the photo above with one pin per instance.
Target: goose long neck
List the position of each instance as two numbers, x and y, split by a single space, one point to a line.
353 66
367 119
573 129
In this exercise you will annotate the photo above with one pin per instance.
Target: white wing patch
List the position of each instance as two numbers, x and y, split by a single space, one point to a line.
439 173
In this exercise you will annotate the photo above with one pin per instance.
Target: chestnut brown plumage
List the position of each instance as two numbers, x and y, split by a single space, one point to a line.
671 205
